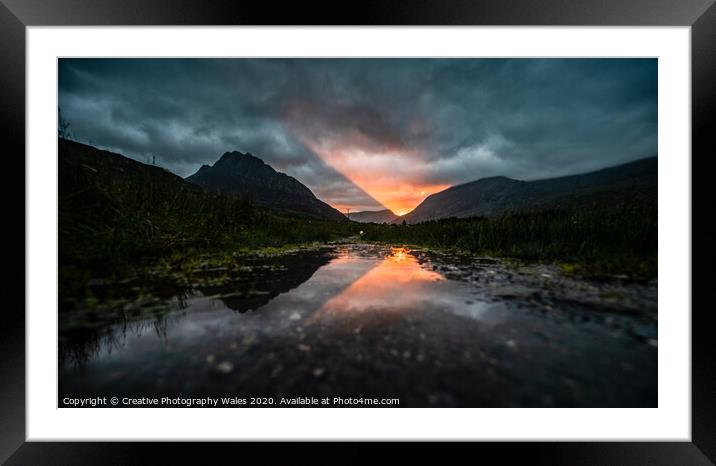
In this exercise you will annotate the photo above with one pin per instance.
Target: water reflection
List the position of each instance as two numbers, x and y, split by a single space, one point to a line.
349 289
397 283
353 320
267 281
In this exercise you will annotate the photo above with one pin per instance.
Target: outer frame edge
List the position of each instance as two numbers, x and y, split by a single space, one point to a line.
703 111
700 14
12 340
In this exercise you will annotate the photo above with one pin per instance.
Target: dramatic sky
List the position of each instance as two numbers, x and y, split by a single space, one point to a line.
369 133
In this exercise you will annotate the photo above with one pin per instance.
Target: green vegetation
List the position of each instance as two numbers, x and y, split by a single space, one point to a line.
590 242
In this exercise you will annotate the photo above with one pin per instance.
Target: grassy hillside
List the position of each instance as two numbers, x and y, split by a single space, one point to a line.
116 213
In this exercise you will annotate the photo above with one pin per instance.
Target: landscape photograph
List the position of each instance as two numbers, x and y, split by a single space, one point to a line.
357 232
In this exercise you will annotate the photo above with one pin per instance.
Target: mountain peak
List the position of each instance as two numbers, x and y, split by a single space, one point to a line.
245 175
239 157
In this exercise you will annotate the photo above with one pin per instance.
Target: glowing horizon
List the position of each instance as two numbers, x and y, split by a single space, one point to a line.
392 177
399 205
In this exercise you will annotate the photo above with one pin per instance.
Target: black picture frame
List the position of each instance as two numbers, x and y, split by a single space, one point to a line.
16 15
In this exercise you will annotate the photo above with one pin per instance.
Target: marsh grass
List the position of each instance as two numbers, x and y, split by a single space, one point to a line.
594 242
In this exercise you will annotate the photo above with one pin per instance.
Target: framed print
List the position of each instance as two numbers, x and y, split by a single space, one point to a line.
457 221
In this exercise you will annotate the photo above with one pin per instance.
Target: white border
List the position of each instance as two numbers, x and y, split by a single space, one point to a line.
670 421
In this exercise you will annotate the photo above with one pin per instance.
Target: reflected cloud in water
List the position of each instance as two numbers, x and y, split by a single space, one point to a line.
355 320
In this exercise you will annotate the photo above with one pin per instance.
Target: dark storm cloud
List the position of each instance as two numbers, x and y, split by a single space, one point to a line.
425 122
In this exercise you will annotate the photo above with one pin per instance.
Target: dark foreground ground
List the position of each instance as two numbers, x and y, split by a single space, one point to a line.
365 321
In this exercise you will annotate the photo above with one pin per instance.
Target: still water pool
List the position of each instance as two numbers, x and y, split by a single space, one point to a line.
362 320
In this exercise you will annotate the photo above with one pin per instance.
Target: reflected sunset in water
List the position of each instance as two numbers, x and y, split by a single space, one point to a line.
398 284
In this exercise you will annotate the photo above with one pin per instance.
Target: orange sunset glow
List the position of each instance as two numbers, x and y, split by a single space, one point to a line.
391 178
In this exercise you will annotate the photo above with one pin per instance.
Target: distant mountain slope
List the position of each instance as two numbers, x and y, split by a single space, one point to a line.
248 176
373 216
107 168
494 196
